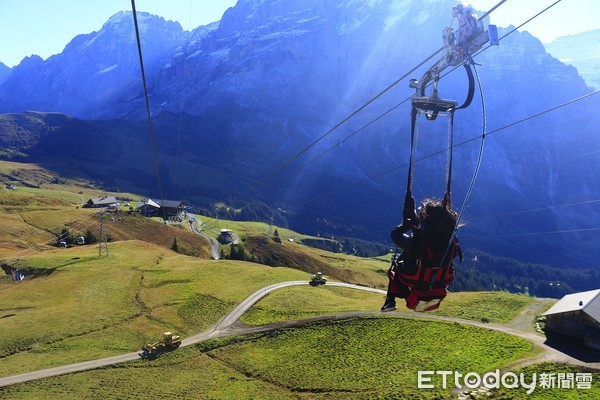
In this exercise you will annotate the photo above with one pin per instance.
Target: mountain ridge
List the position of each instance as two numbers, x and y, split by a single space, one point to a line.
270 77
585 59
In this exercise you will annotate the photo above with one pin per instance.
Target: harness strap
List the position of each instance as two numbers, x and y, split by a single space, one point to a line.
447 202
408 213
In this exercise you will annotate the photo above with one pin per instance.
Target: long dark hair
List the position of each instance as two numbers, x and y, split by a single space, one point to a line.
436 224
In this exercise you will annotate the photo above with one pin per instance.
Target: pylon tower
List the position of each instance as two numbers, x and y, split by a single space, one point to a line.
103 243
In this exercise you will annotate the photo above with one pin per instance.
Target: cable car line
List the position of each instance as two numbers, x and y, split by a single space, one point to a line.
154 152
441 76
315 142
446 149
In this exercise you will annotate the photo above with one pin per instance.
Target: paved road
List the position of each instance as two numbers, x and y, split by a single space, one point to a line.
230 325
214 245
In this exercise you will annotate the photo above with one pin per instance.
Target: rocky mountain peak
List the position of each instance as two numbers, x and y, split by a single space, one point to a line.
272 76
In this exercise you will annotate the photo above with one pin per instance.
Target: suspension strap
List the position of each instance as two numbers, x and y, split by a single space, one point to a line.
447 202
408 213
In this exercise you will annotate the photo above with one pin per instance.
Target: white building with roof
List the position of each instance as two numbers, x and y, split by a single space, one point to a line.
576 315
102 202
147 207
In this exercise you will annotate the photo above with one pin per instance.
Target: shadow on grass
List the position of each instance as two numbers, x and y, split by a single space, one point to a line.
29 272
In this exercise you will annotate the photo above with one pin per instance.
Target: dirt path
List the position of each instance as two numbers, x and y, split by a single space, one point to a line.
520 326
524 320
214 245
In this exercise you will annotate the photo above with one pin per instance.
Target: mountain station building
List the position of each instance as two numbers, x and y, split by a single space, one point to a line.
151 207
102 202
576 315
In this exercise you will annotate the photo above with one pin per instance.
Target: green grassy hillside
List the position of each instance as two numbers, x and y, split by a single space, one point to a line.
89 307
36 219
75 306
357 358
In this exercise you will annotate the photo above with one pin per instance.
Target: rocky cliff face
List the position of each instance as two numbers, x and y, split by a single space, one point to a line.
4 72
272 76
95 72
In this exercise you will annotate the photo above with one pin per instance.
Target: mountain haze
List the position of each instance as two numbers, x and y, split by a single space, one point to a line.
94 71
582 51
235 99
4 72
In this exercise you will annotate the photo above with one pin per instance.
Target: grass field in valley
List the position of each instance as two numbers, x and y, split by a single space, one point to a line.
88 307
357 358
303 302
80 307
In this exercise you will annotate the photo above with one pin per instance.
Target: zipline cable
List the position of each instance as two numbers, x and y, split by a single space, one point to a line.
176 175
507 34
154 153
491 10
519 212
408 98
544 233
380 174
305 149
480 156
323 136
475 173
579 203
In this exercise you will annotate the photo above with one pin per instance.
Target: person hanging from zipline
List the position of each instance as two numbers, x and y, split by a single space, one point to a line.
421 273
423 270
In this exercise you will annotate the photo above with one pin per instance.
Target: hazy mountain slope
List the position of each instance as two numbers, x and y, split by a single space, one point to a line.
581 51
4 72
272 76
95 71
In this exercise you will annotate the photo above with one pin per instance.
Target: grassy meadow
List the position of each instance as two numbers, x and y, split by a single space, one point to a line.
88 307
303 302
75 306
356 358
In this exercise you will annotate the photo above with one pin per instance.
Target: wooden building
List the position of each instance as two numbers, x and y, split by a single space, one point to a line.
148 208
171 207
576 315
160 208
102 202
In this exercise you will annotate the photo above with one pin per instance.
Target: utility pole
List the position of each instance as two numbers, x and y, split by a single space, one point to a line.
103 243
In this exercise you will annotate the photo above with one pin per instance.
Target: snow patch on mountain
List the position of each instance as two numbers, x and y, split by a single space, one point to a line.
108 69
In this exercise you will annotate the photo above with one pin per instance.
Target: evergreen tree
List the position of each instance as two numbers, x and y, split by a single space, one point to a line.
174 246
90 237
238 252
66 235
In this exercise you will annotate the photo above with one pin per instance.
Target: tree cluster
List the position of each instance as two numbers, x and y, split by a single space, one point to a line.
486 272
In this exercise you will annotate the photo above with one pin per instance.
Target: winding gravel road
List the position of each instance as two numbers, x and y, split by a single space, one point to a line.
230 325
214 245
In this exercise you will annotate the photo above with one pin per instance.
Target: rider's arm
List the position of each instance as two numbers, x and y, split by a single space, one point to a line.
400 238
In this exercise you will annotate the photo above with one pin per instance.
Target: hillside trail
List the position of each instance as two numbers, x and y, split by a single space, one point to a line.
214 245
524 320
230 325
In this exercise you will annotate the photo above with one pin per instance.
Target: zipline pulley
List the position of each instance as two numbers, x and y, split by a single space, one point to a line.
457 50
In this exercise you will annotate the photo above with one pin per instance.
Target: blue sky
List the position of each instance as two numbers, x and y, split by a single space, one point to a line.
44 27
